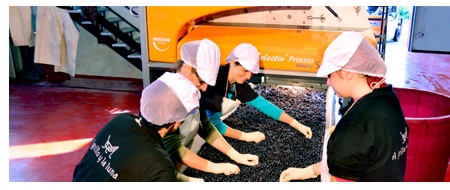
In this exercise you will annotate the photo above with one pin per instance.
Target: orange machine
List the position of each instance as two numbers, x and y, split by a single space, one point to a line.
288 38
291 40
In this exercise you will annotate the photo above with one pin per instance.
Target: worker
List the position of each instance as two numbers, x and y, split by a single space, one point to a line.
130 148
370 141
195 55
232 88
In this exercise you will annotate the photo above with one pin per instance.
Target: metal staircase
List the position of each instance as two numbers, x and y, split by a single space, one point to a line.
112 30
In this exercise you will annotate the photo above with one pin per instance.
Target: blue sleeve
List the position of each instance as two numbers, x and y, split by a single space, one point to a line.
266 107
214 117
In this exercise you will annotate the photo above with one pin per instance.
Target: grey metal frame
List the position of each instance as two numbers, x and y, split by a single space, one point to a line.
144 45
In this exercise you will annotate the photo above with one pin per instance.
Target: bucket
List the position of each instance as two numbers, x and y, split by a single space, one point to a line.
428 117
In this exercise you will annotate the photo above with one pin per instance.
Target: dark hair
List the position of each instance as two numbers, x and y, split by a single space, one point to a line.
157 127
178 65
167 125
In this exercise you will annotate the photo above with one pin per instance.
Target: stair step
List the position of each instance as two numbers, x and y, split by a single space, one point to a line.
74 11
128 29
119 45
86 22
114 19
135 55
102 8
105 33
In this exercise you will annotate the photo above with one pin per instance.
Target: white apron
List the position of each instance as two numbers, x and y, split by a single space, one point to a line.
325 175
56 39
189 128
189 137
228 107
20 26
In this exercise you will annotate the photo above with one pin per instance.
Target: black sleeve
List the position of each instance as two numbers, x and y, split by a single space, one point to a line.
348 152
211 100
245 93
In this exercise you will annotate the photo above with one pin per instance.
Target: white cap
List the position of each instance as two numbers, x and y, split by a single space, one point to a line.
247 55
203 55
170 98
350 51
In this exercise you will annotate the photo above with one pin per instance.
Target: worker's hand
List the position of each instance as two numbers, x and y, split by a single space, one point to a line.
297 174
184 178
302 128
252 137
222 168
246 159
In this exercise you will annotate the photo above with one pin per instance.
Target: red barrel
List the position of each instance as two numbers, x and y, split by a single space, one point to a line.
428 117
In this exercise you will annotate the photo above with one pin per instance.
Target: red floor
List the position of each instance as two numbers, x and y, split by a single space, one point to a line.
68 116
50 126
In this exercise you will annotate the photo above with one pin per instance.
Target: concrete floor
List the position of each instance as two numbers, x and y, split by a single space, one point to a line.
51 125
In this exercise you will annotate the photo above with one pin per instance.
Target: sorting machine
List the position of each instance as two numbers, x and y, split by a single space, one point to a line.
291 40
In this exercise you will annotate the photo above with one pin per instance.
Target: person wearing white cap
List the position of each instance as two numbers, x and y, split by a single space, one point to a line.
201 59
129 147
232 88
370 141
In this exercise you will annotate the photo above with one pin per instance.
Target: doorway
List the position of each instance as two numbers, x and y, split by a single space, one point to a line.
401 41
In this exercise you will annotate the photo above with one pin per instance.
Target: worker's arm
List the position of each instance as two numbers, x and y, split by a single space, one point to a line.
309 172
276 113
227 131
221 126
212 136
192 160
312 171
172 143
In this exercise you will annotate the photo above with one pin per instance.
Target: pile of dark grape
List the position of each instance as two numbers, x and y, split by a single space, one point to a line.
283 147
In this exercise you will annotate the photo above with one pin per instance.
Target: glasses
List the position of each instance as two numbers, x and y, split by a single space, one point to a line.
340 70
198 77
